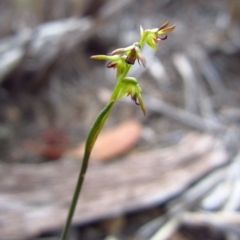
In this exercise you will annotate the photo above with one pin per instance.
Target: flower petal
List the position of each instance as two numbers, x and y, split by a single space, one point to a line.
119 50
141 30
112 64
163 25
142 59
141 103
100 57
166 30
150 41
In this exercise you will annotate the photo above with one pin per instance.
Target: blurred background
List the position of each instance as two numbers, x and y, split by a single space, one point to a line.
175 173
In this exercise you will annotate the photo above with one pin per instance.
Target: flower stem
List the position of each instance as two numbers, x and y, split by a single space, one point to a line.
115 91
92 136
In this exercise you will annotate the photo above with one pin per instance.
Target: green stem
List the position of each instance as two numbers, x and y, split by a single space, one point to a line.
92 136
115 92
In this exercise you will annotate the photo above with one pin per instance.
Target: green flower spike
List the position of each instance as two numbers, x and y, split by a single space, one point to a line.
116 61
152 36
122 59
130 86
132 52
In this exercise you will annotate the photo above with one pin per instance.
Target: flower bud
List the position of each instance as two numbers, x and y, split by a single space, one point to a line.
116 61
130 86
152 36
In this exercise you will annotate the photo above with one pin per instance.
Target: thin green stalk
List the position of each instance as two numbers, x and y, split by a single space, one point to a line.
115 92
92 136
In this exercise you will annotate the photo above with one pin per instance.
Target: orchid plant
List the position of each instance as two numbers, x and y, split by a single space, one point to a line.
121 59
